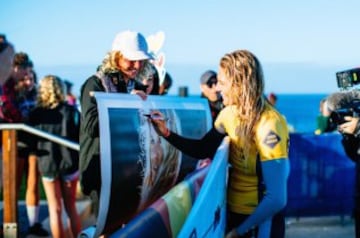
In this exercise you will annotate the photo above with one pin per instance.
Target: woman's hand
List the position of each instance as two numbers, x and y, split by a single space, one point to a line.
140 93
158 120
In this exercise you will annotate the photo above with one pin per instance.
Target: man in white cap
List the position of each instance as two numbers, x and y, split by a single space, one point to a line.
127 60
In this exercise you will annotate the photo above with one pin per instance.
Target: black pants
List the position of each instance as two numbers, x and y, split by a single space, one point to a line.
277 225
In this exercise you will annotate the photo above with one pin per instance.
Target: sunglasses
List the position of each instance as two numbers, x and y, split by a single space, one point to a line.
211 83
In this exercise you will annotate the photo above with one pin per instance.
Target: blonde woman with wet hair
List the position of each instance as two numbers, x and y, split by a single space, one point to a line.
159 159
257 187
58 165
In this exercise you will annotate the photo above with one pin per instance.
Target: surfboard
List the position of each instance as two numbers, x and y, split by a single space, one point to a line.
207 217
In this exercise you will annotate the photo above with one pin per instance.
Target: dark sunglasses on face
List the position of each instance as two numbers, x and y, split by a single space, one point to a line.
211 83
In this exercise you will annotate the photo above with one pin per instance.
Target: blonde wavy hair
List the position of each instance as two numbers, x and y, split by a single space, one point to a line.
50 92
157 183
244 71
110 65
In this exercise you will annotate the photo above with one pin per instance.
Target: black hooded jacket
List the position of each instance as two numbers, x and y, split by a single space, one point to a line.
89 165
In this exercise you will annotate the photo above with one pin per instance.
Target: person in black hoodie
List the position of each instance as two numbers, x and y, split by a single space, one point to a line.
127 61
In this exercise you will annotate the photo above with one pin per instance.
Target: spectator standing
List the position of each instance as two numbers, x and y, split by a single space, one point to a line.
70 97
208 81
26 100
152 82
7 53
166 84
128 60
13 110
272 98
58 164
21 68
26 94
323 122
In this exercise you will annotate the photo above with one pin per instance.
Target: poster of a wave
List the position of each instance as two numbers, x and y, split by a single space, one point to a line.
138 166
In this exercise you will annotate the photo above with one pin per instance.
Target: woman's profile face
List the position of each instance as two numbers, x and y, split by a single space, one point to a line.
224 87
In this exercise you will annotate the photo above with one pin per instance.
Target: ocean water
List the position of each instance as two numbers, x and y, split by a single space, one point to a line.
300 110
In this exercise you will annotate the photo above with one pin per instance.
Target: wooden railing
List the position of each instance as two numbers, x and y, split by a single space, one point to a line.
9 155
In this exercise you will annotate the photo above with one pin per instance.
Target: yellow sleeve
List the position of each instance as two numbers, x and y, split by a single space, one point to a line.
220 122
272 136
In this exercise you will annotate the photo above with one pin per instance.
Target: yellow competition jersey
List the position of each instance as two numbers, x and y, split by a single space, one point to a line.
271 142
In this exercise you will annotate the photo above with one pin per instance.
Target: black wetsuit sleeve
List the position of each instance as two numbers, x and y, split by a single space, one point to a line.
198 148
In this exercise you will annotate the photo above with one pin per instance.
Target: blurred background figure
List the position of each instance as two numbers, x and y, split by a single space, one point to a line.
7 53
70 97
26 89
208 81
152 82
323 122
166 84
58 164
17 100
272 98
27 92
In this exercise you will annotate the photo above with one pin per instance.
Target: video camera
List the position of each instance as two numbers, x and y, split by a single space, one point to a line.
348 78
346 102
352 109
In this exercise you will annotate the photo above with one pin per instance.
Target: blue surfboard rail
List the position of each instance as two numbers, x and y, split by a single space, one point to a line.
208 215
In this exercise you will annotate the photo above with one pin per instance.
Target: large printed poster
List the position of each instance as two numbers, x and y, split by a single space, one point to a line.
137 165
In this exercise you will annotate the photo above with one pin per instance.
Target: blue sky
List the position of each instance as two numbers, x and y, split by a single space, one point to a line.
301 44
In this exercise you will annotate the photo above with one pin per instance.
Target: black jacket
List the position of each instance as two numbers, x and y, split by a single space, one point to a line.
53 159
89 132
351 144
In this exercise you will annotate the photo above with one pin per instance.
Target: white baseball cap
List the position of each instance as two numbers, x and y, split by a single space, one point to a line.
132 45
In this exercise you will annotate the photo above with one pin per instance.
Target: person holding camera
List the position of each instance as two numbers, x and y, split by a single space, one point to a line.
351 143
349 127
